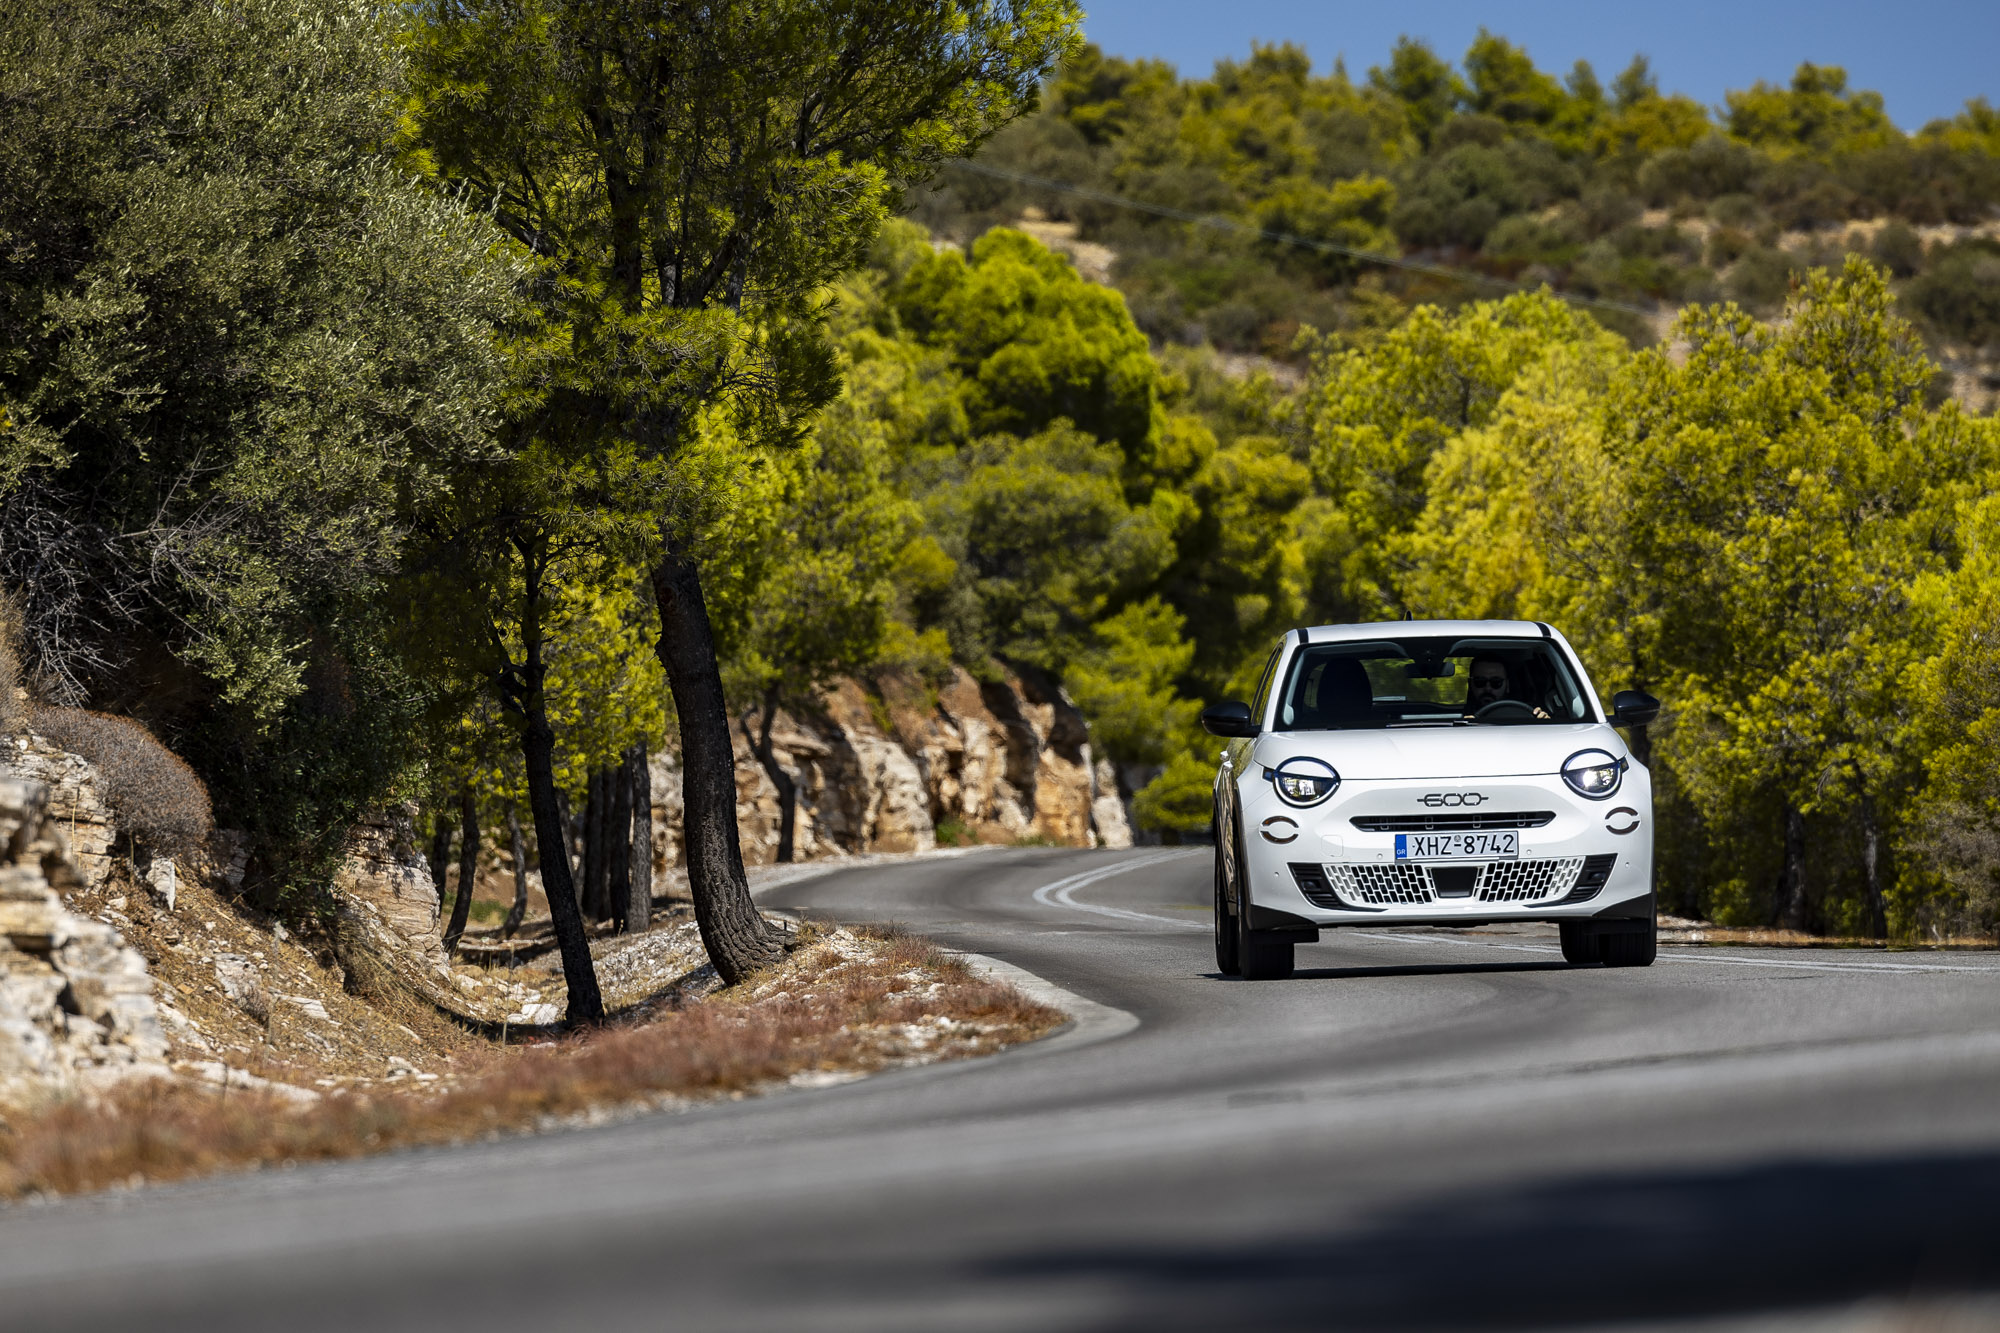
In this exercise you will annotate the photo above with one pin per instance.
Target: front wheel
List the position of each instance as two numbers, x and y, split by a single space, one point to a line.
1262 955
1227 957
1626 948
1579 945
1631 948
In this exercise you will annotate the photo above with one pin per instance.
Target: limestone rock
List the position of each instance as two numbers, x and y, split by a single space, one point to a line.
76 1005
163 880
1000 760
1107 808
387 908
71 785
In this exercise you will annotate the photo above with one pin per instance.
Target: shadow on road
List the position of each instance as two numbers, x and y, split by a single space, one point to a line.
1795 1237
1427 970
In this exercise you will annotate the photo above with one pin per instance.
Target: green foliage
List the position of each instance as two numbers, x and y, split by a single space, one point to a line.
1181 798
1045 544
240 353
1770 527
1379 415
1493 164
1035 342
1818 112
1125 683
1959 293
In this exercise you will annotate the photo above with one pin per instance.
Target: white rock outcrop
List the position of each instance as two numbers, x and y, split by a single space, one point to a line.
997 761
76 1006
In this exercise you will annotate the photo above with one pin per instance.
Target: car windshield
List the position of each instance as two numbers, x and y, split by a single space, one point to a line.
1429 682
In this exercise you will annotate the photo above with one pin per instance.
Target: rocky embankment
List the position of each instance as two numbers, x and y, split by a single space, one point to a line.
116 963
1007 760
76 1005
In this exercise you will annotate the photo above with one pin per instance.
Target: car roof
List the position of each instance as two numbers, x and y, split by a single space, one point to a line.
1396 629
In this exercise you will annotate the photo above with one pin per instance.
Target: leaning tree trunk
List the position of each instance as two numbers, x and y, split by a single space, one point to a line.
538 743
468 867
639 889
617 852
538 749
737 938
1792 884
519 911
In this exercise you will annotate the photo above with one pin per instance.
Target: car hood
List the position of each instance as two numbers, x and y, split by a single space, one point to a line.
1440 752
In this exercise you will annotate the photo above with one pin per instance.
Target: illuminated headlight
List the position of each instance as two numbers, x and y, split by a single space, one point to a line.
1303 781
1593 773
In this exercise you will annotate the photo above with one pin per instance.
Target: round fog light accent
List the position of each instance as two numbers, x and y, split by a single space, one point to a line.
1303 780
1594 774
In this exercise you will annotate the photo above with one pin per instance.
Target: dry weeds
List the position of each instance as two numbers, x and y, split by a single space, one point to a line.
154 793
843 1003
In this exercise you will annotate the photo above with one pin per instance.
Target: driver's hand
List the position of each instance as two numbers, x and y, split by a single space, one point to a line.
1542 713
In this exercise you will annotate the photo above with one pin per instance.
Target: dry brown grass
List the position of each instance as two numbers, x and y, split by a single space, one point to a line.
843 1003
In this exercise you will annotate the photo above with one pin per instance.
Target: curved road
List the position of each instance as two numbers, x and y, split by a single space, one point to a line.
1420 1131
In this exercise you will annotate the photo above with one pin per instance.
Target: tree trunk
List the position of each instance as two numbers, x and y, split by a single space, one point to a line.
468 868
639 889
592 895
440 856
788 788
1871 840
586 1004
569 842
737 938
519 911
1792 884
538 745
618 842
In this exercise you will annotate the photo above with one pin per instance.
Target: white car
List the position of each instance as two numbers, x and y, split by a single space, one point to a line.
1430 772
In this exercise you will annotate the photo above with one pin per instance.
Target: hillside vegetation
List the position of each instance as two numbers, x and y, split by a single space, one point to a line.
1621 194
361 464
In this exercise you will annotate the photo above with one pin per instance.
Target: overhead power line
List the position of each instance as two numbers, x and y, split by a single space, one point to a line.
1215 223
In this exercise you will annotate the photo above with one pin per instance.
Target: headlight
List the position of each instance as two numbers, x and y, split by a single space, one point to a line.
1593 773
1303 781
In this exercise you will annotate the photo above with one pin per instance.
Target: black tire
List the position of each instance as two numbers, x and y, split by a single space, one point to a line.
1579 944
1261 955
1264 958
1630 948
1227 957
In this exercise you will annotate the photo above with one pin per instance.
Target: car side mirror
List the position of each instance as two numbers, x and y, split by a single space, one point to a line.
1228 719
1633 708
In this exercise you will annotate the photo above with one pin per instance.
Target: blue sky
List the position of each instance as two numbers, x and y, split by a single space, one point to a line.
1925 57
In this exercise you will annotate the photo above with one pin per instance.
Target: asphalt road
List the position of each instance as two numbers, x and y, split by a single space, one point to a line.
1419 1131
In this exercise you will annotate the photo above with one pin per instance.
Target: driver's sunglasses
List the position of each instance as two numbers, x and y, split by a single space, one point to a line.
1490 682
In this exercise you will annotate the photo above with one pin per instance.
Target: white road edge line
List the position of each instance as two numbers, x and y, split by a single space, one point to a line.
1716 961
1060 893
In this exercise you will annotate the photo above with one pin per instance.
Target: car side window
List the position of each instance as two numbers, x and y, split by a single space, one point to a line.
1264 686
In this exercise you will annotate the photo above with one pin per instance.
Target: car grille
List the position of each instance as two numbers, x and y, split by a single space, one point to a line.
1526 881
1389 884
1381 885
1427 823
1596 872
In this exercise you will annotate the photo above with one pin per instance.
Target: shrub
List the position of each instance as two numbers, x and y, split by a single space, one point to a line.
156 797
1959 292
1899 249
13 708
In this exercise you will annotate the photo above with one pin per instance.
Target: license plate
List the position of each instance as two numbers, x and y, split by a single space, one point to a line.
1497 846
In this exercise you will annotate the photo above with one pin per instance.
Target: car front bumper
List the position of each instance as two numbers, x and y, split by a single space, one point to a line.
1589 859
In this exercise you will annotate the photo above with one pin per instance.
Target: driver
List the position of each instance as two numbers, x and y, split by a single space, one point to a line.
1487 683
